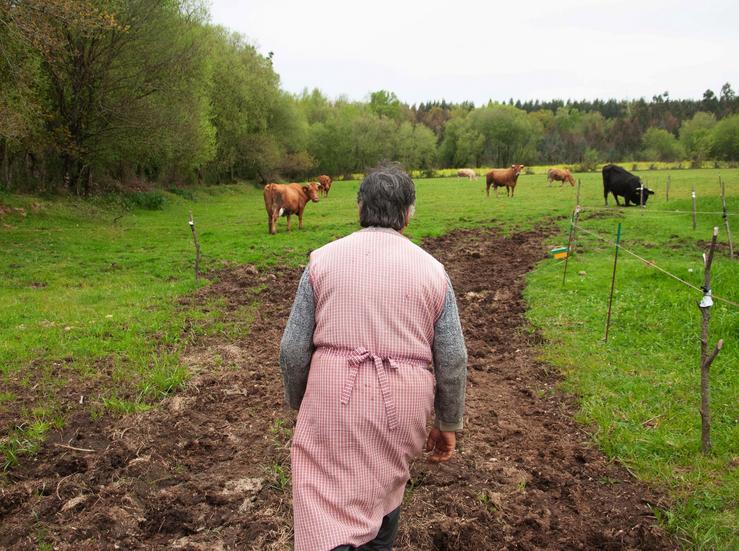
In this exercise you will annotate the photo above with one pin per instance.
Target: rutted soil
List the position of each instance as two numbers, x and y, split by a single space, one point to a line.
209 469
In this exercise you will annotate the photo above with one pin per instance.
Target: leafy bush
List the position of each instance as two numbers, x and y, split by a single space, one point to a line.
726 138
589 161
295 166
696 136
661 145
184 193
148 200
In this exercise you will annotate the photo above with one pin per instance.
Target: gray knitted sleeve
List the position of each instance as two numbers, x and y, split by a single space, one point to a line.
296 347
450 365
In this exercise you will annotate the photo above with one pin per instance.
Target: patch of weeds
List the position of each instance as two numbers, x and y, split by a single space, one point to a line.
6 397
57 422
487 500
259 289
239 326
165 376
119 405
281 433
205 319
23 440
413 484
41 540
211 319
279 478
96 412
147 200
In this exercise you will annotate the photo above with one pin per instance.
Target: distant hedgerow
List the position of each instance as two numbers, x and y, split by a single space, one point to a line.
149 200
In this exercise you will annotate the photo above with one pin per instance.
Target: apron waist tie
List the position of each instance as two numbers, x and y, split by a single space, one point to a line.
356 358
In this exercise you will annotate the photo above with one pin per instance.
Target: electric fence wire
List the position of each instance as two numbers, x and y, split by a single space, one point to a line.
237 223
662 211
653 265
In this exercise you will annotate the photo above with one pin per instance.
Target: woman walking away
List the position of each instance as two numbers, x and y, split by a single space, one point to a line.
372 313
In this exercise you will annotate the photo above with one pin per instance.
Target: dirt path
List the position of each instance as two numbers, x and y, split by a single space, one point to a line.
210 468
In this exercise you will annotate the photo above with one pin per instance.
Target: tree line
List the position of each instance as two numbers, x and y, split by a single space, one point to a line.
101 93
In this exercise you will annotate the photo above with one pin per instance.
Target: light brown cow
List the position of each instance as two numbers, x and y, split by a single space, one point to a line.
288 199
561 175
499 177
324 184
466 173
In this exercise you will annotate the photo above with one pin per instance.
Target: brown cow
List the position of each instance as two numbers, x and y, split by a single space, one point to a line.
499 177
561 175
324 184
288 199
466 173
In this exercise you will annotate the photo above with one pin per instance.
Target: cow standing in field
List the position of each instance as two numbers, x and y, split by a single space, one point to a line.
561 175
286 200
507 177
466 173
618 181
324 184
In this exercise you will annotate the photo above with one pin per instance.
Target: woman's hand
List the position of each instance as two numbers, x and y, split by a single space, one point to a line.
442 444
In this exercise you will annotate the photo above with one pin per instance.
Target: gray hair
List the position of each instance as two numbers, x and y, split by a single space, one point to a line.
385 195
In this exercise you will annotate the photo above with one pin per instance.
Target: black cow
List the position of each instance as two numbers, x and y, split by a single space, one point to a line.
618 181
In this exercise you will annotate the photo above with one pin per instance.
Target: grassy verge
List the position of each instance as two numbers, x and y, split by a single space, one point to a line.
640 392
88 294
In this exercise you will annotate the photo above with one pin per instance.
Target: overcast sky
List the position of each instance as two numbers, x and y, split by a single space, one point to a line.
469 50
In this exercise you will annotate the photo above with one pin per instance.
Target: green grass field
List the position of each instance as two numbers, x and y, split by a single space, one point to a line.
88 296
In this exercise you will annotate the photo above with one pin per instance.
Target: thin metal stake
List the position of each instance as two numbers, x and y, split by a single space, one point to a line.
726 218
613 280
573 246
569 245
692 194
197 248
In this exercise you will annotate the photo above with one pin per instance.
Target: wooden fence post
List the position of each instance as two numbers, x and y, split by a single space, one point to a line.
692 194
706 359
197 248
613 280
667 190
726 218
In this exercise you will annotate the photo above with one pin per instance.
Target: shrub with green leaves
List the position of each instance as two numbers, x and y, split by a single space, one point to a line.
181 192
147 200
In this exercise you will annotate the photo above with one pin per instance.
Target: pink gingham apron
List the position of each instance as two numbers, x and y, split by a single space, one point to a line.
370 391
